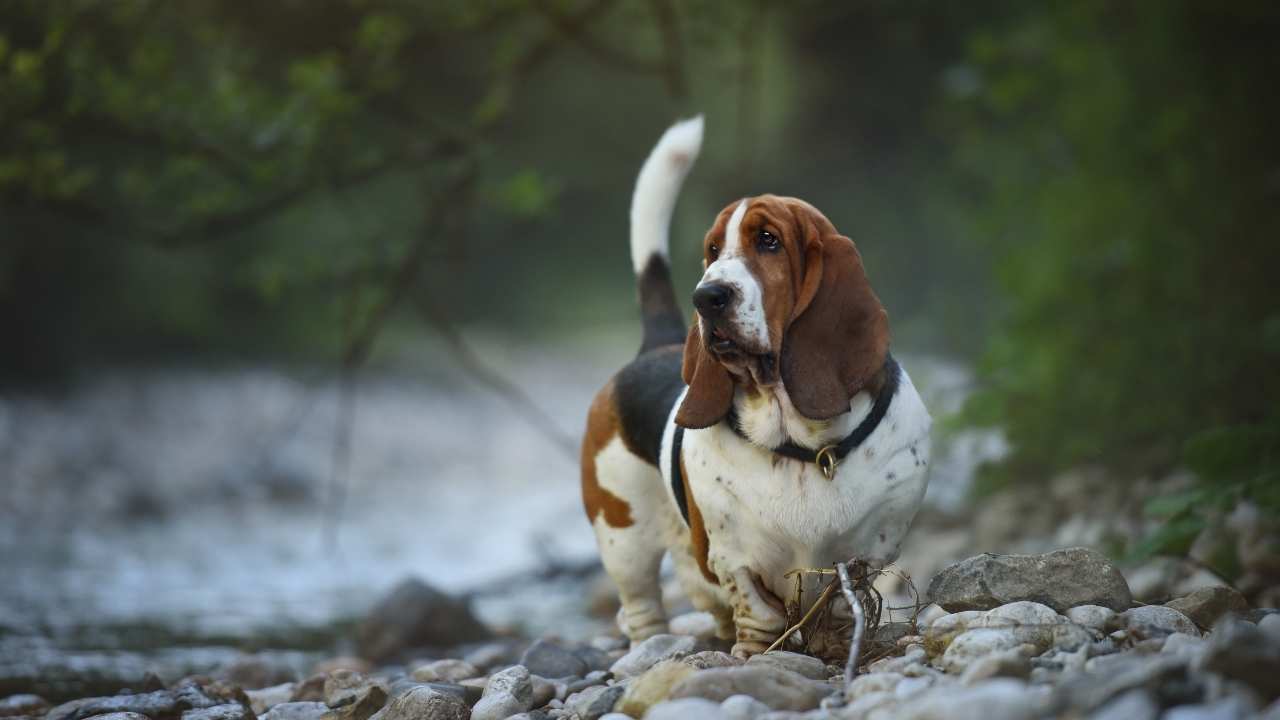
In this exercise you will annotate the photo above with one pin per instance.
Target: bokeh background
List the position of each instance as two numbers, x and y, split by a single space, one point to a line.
301 298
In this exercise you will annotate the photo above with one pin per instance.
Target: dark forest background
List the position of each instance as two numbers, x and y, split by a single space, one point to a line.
1080 200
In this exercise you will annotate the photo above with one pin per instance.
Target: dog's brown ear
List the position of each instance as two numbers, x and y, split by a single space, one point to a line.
839 332
710 387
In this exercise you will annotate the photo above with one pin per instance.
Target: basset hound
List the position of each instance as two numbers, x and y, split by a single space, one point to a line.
777 433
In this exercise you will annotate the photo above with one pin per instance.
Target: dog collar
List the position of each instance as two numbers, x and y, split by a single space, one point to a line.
828 457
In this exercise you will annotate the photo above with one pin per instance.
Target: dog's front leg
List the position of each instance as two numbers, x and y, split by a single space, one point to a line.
758 614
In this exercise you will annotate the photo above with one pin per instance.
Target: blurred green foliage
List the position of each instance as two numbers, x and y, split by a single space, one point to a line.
1081 198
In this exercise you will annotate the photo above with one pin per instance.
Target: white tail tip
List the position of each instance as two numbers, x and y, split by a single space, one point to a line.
657 188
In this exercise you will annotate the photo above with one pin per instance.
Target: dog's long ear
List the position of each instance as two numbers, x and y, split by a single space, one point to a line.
839 332
710 387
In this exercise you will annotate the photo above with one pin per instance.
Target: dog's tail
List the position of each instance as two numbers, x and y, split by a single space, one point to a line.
651 206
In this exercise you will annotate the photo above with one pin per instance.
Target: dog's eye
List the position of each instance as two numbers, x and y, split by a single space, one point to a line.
713 251
767 241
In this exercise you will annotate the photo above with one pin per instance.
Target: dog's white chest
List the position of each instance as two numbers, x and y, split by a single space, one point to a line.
773 514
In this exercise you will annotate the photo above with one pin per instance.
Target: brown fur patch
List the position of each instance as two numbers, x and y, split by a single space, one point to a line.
602 427
697 529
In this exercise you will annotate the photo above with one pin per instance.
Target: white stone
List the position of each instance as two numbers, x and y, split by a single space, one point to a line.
652 651
742 707
955 622
1023 612
873 683
1095 617
970 645
684 709
1156 621
1001 699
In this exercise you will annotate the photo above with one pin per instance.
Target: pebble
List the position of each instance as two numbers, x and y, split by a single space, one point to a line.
1247 653
1156 621
1000 699
779 689
415 614
253 672
1131 705
1013 663
266 698
654 686
550 660
592 703
450 671
742 707
972 645
652 651
809 667
1094 617
683 709
226 711
296 711
424 703
870 683
1061 579
24 704
508 692
1205 605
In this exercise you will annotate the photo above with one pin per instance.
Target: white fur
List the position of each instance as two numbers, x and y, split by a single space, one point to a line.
657 188
768 515
747 313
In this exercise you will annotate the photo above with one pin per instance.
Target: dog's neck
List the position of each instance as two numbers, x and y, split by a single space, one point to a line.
768 418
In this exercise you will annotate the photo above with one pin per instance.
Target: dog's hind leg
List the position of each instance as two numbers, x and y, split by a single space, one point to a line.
629 532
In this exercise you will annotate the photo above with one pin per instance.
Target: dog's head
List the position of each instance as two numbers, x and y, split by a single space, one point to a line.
784 298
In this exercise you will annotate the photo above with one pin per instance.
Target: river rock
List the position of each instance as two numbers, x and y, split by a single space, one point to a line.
809 667
346 687
550 660
414 614
157 705
450 671
1131 705
1241 651
1094 617
1012 663
593 702
1205 605
424 703
711 659
971 645
652 651
310 690
1000 699
1060 579
296 711
742 707
779 689
1156 621
266 698
684 709
508 692
653 686
121 716
227 711
23 705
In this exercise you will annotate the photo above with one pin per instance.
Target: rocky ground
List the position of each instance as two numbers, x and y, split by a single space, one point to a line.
1055 634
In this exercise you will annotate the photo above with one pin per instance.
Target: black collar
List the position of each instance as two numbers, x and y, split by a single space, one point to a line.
829 456
826 458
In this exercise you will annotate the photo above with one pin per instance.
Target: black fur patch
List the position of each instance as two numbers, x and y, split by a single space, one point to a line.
644 392
663 323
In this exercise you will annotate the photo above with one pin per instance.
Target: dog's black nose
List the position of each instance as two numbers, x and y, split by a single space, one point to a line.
711 299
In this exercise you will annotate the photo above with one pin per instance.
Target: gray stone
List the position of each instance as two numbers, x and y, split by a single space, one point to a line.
1156 621
684 709
343 687
1061 579
711 659
1205 605
450 671
1013 663
1241 651
1094 617
1230 708
296 711
424 703
1116 674
23 705
116 716
652 651
227 711
972 645
779 689
595 658
653 686
1132 705
1000 699
810 667
593 702
742 707
549 660
508 692
414 614
266 698
156 705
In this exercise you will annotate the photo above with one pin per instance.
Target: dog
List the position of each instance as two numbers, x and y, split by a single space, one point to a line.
776 433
